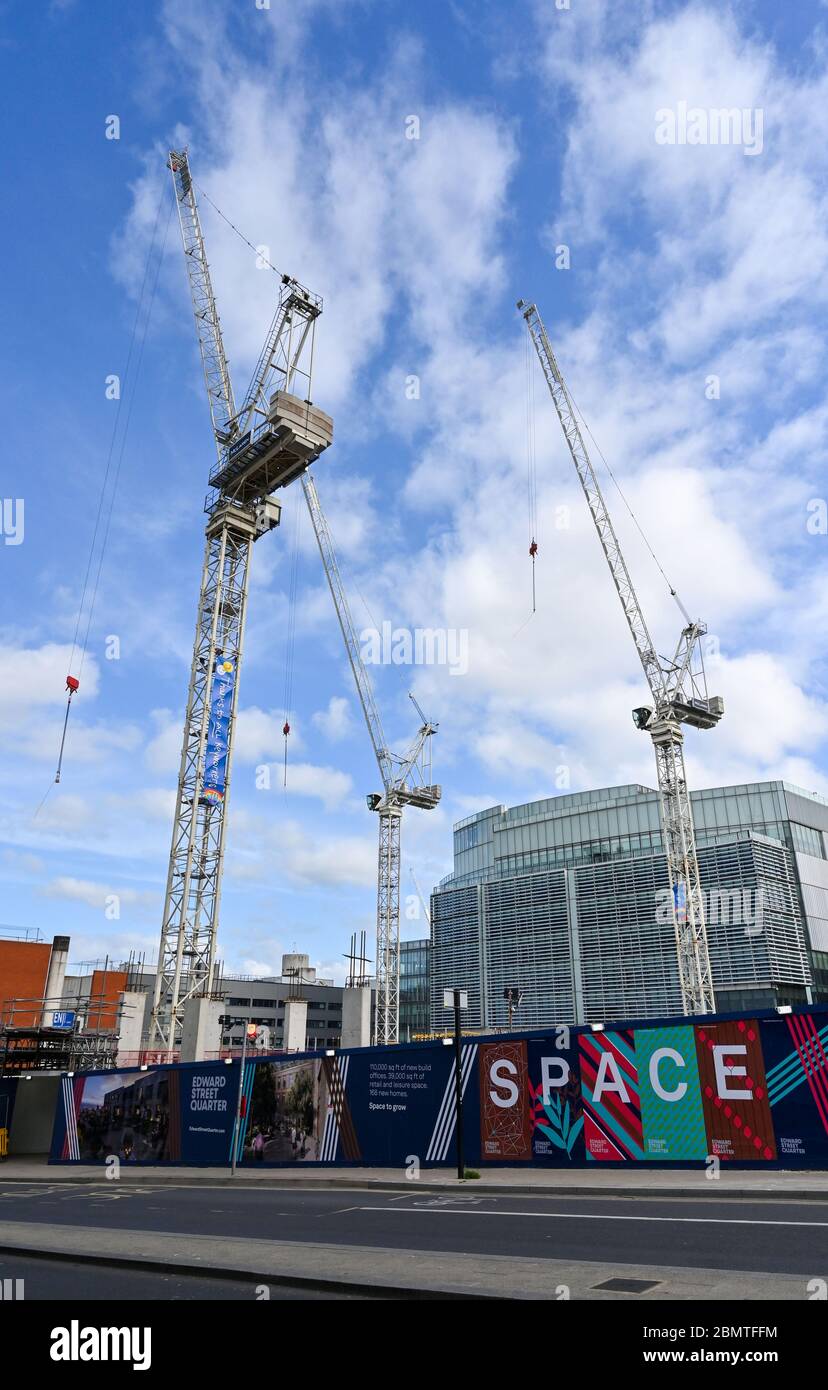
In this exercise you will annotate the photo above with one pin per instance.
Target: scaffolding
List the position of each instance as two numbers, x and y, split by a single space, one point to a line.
45 1033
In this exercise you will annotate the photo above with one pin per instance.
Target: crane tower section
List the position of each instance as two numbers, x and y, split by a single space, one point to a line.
261 447
406 781
679 691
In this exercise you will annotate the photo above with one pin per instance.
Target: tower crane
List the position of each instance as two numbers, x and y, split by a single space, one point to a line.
679 691
261 447
406 781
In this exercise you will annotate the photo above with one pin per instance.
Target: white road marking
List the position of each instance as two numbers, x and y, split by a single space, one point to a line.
596 1216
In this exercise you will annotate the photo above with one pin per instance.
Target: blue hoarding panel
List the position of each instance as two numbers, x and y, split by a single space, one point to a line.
163 1114
746 1090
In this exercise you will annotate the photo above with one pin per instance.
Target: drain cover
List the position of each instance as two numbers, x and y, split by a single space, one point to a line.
628 1285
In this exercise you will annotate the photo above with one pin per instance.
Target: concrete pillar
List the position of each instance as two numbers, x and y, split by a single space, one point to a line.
200 1029
296 1025
55 978
356 1017
130 1028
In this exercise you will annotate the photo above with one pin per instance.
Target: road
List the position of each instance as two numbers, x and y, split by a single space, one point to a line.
765 1237
61 1279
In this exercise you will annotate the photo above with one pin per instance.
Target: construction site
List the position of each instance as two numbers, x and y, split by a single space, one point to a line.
413 702
273 440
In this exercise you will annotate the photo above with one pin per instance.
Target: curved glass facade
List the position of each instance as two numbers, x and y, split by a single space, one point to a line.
565 899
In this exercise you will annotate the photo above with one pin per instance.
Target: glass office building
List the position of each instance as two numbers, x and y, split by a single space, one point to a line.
415 999
567 899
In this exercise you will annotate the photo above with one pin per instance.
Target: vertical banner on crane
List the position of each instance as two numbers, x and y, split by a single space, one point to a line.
218 729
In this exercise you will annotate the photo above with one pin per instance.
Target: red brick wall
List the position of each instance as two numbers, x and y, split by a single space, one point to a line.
24 971
105 990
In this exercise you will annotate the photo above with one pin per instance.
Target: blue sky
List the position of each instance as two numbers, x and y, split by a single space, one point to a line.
537 129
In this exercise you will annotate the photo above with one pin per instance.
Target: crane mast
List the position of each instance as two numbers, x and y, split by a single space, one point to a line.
679 691
406 781
260 449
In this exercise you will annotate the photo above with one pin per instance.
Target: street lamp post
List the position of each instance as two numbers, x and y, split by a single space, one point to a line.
513 997
459 1000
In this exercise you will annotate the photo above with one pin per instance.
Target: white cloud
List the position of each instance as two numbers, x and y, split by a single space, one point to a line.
335 721
333 860
36 676
102 897
258 967
259 735
328 784
304 855
24 863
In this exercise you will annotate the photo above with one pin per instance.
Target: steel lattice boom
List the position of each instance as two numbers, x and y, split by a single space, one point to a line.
679 692
406 782
208 327
260 449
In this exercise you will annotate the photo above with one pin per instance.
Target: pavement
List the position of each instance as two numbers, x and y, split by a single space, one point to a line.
363 1270
45 1280
419 1240
600 1179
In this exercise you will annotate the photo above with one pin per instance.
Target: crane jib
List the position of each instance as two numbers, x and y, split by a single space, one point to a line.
679 690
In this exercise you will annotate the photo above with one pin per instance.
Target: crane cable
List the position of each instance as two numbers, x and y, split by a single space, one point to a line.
531 461
290 641
125 433
673 591
256 249
72 682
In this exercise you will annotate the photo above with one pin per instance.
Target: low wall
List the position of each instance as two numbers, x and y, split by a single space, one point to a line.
748 1090
27 1110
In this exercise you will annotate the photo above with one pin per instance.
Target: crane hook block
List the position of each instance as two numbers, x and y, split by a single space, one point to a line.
533 549
72 684
286 729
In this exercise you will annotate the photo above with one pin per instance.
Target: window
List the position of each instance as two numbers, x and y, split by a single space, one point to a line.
466 838
807 840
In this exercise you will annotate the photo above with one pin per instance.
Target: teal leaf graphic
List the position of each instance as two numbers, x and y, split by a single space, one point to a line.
559 1127
573 1134
554 1135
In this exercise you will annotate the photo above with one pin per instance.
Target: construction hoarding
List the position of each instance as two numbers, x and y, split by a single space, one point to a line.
670 1092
